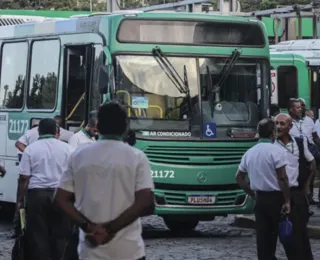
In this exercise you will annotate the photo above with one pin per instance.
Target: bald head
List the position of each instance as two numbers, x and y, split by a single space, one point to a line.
283 125
283 117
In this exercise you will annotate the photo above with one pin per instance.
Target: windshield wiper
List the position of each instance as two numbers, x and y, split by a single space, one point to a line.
181 84
224 73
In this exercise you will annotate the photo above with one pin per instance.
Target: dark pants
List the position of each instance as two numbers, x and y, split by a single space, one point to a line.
47 228
300 248
16 218
267 215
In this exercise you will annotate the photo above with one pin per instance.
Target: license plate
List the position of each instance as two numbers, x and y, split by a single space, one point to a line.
201 199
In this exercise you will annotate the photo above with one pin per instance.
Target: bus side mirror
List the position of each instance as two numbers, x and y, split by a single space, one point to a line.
103 79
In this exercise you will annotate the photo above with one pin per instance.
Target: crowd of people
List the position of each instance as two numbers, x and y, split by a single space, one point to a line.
281 169
84 193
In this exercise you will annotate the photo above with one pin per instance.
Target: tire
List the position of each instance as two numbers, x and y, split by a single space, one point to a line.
184 226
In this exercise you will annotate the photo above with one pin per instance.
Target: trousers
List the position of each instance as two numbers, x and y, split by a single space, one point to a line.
267 214
47 228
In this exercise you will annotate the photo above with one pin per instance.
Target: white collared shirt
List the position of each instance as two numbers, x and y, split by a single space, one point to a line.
261 162
303 127
104 177
32 135
45 160
291 150
80 138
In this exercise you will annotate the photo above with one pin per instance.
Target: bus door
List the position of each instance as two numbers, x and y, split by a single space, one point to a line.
77 80
314 82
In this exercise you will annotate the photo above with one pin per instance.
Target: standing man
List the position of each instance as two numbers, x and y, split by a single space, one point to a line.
112 187
310 113
86 134
41 167
299 160
265 164
304 127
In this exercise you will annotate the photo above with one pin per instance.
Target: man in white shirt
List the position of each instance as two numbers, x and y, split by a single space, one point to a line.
112 186
41 167
265 165
86 134
304 127
300 168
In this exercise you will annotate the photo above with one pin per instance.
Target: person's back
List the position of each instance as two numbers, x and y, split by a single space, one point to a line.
112 185
268 157
46 156
105 187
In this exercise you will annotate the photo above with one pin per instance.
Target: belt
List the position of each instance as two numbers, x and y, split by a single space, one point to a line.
41 189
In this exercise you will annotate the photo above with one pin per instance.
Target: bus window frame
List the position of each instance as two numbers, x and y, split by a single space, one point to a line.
37 110
10 41
255 23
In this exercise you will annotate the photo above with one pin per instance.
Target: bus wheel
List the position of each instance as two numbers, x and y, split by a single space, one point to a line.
180 225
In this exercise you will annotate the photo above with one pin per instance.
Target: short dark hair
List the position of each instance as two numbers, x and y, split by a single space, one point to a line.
266 128
47 126
291 102
92 120
112 119
274 110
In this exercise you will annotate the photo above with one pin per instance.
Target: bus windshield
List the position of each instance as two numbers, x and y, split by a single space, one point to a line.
155 103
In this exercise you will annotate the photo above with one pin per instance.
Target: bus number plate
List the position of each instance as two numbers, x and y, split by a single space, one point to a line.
201 199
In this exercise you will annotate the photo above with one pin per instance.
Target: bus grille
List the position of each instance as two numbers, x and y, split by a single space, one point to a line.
195 155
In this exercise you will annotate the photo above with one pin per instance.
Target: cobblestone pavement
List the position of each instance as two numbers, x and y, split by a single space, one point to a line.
217 239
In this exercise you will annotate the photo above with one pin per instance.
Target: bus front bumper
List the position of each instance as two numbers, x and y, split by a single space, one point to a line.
170 202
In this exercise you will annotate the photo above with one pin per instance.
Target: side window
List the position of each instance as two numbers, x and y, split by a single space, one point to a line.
287 84
42 92
13 74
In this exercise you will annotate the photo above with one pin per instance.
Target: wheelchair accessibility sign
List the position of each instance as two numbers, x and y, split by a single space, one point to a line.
209 130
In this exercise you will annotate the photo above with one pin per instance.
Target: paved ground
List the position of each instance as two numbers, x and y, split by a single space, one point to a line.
217 239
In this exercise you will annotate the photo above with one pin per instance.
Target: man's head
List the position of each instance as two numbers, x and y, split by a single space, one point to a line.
48 126
303 106
294 108
112 119
283 124
274 110
266 129
58 120
92 124
310 113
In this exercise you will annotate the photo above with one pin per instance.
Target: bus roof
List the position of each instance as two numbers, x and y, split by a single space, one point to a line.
309 49
92 23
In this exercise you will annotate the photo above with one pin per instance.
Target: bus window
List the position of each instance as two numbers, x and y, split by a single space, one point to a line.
13 73
42 92
287 84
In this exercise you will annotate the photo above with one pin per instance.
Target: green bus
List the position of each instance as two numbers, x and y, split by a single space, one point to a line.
194 85
295 72
269 22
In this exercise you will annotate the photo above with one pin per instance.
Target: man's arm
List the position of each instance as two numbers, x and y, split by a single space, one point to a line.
20 146
243 184
65 201
316 138
283 183
144 200
313 167
24 177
